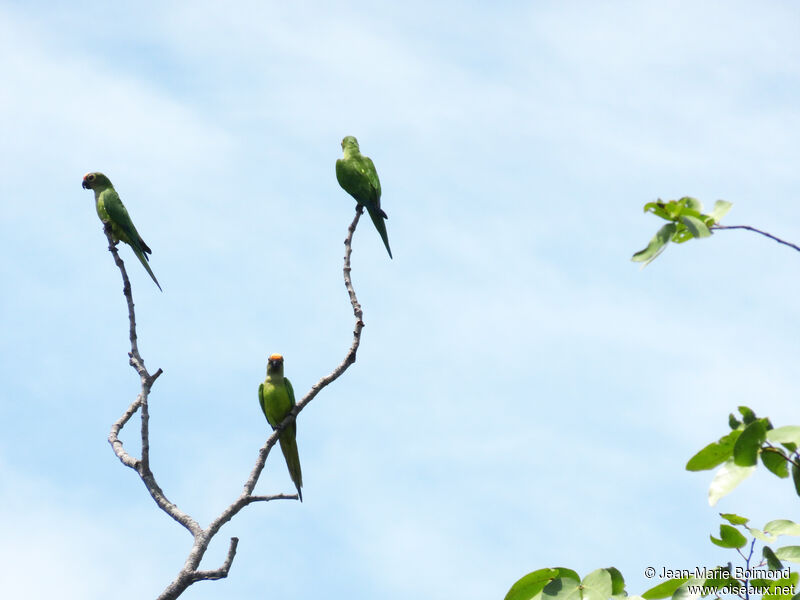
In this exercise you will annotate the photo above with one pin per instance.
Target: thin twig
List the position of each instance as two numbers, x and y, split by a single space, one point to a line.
116 443
747 570
764 233
222 572
190 572
251 499
246 495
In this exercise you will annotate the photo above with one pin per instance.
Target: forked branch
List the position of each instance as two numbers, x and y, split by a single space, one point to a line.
190 572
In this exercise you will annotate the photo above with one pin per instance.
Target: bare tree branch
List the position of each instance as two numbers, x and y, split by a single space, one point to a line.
190 572
251 499
223 570
764 233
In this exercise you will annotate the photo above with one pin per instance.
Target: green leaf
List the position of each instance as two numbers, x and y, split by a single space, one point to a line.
562 588
673 209
683 593
783 435
783 527
796 478
664 590
747 414
733 421
781 589
726 479
567 574
597 585
531 584
682 234
734 519
775 460
730 537
721 208
692 203
656 245
721 582
697 228
745 451
773 562
617 581
790 553
658 209
767 538
690 212
714 454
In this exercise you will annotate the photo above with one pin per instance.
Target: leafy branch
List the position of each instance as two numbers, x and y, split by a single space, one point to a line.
687 221
190 572
738 452
752 438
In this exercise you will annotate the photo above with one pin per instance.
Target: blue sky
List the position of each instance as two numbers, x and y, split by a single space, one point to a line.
524 395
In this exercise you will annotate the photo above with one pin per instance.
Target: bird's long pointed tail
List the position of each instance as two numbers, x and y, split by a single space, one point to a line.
143 259
289 449
378 216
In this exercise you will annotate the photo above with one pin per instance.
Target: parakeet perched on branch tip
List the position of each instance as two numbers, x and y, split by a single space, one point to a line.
113 213
357 175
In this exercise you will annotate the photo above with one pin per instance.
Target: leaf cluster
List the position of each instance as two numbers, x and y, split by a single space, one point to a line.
731 537
686 221
750 439
684 588
772 577
560 583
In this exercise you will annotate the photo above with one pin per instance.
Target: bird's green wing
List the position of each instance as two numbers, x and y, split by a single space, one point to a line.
125 230
341 175
261 402
372 176
376 213
119 216
290 390
351 177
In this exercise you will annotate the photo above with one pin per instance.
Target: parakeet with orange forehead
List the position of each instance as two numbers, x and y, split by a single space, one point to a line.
357 175
276 398
112 211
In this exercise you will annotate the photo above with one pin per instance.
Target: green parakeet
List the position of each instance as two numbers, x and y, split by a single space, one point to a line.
276 398
357 175
111 211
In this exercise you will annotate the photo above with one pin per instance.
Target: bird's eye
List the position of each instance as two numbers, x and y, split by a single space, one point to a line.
90 177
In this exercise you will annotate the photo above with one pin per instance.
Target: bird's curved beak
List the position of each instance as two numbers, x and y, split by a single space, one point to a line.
85 185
